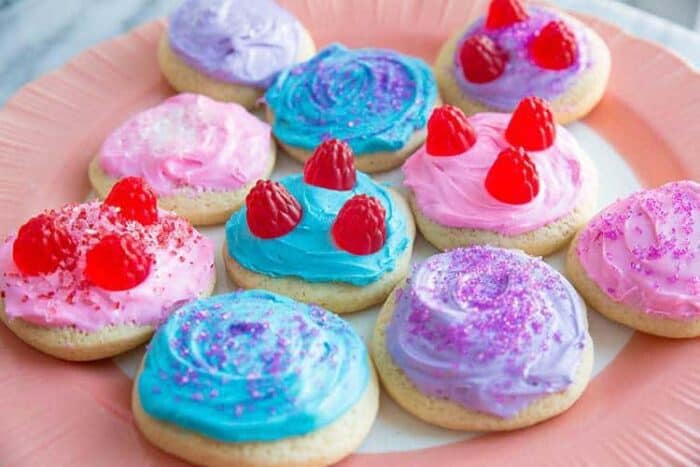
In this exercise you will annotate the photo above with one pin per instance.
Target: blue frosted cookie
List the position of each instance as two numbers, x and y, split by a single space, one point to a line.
376 100
331 236
255 378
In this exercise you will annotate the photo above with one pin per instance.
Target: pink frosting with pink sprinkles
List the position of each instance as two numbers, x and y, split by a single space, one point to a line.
189 142
644 251
183 269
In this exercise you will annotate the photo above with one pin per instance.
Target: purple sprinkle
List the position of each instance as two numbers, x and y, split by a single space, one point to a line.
252 329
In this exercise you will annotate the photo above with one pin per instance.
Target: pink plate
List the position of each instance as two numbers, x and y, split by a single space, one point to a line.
643 408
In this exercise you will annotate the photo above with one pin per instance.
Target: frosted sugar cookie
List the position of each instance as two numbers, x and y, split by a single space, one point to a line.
93 280
331 236
256 379
376 100
483 338
638 261
511 180
201 157
231 50
520 49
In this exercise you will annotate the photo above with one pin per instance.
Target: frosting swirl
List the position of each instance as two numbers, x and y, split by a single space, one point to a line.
236 41
522 77
373 99
308 251
252 366
450 190
488 328
644 250
183 269
189 142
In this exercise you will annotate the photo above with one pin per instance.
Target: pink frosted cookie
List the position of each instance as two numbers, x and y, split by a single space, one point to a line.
92 280
638 261
200 156
514 181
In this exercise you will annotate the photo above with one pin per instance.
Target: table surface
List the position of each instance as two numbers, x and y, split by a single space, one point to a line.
40 35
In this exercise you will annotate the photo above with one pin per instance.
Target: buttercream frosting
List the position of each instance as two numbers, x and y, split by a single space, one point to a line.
252 366
490 329
308 251
182 269
644 251
189 142
522 77
450 190
374 99
238 41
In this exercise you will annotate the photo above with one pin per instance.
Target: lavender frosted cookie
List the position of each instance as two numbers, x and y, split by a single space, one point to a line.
520 50
483 338
231 50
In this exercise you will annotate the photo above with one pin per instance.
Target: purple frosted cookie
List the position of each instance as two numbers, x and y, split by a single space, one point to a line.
484 338
231 50
518 50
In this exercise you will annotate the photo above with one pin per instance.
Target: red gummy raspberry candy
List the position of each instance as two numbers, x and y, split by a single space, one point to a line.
332 166
554 46
271 210
117 262
135 200
42 247
449 132
360 226
504 13
513 177
482 59
532 125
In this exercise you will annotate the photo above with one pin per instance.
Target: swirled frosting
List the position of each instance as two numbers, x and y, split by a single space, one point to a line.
308 251
373 99
238 41
488 328
252 366
183 269
189 142
522 77
644 251
451 191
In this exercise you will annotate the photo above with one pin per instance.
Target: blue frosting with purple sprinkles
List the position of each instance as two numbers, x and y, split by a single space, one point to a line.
374 99
252 366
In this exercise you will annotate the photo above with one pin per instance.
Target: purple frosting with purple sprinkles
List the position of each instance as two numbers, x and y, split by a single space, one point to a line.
488 328
522 77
